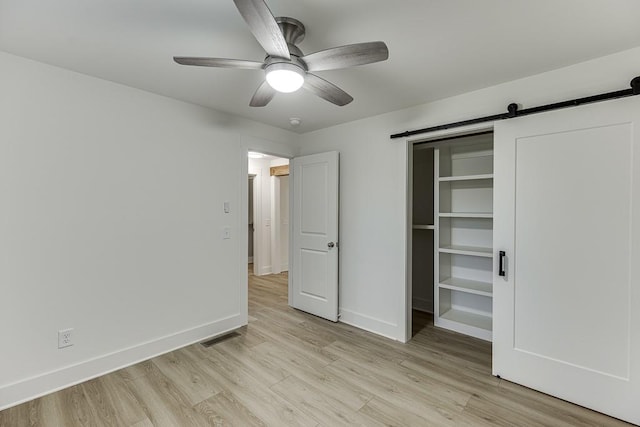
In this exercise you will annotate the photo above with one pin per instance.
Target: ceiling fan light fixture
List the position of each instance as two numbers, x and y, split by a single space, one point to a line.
285 77
286 67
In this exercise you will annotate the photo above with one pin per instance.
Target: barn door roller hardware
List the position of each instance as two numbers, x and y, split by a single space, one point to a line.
513 111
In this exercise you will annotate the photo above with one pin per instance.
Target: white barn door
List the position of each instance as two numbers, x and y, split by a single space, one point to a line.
567 217
313 285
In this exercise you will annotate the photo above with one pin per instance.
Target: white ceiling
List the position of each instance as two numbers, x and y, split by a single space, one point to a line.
438 48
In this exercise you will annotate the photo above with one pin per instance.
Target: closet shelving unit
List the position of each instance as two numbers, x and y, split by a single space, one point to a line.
463 221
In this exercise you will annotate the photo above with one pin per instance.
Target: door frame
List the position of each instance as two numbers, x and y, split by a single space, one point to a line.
272 149
409 142
252 178
276 226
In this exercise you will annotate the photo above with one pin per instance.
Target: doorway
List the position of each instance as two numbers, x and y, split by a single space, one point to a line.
449 236
268 214
308 246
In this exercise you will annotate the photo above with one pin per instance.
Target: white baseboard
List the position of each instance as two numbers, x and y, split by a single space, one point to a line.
264 270
423 304
40 385
371 324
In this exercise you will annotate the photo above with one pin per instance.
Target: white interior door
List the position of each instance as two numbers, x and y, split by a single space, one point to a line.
567 216
313 282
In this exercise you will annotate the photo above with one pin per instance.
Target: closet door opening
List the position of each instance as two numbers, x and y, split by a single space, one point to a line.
451 251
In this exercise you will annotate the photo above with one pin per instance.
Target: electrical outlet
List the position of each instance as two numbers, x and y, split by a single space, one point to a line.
65 338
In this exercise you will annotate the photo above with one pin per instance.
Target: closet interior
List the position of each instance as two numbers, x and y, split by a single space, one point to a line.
452 232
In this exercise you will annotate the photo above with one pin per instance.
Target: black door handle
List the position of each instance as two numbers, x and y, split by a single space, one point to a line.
501 270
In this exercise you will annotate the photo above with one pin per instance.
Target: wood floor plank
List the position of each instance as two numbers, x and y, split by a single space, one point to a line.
112 401
499 415
138 370
294 343
397 394
187 375
452 375
426 385
74 408
327 409
380 411
27 414
224 409
451 345
359 351
249 336
263 369
162 401
252 392
424 351
289 321
43 412
305 369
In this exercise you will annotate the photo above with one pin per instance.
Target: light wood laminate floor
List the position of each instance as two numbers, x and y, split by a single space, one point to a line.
288 368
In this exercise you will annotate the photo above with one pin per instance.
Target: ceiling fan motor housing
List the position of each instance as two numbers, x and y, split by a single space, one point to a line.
292 29
293 32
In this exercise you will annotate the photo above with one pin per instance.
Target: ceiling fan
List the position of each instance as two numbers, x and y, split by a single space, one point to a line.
286 68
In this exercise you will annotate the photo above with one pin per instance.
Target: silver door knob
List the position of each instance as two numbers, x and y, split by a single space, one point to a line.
330 245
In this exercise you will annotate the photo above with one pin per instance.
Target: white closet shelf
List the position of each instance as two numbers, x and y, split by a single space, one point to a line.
468 318
424 227
468 286
465 177
467 250
465 215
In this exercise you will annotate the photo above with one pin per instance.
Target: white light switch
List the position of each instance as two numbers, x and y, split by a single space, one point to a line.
226 233
226 207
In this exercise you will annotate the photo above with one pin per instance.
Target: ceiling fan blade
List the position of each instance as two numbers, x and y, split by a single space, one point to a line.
264 27
347 56
219 62
264 94
326 90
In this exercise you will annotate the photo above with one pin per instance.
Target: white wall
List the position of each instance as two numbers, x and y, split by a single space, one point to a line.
373 179
111 217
